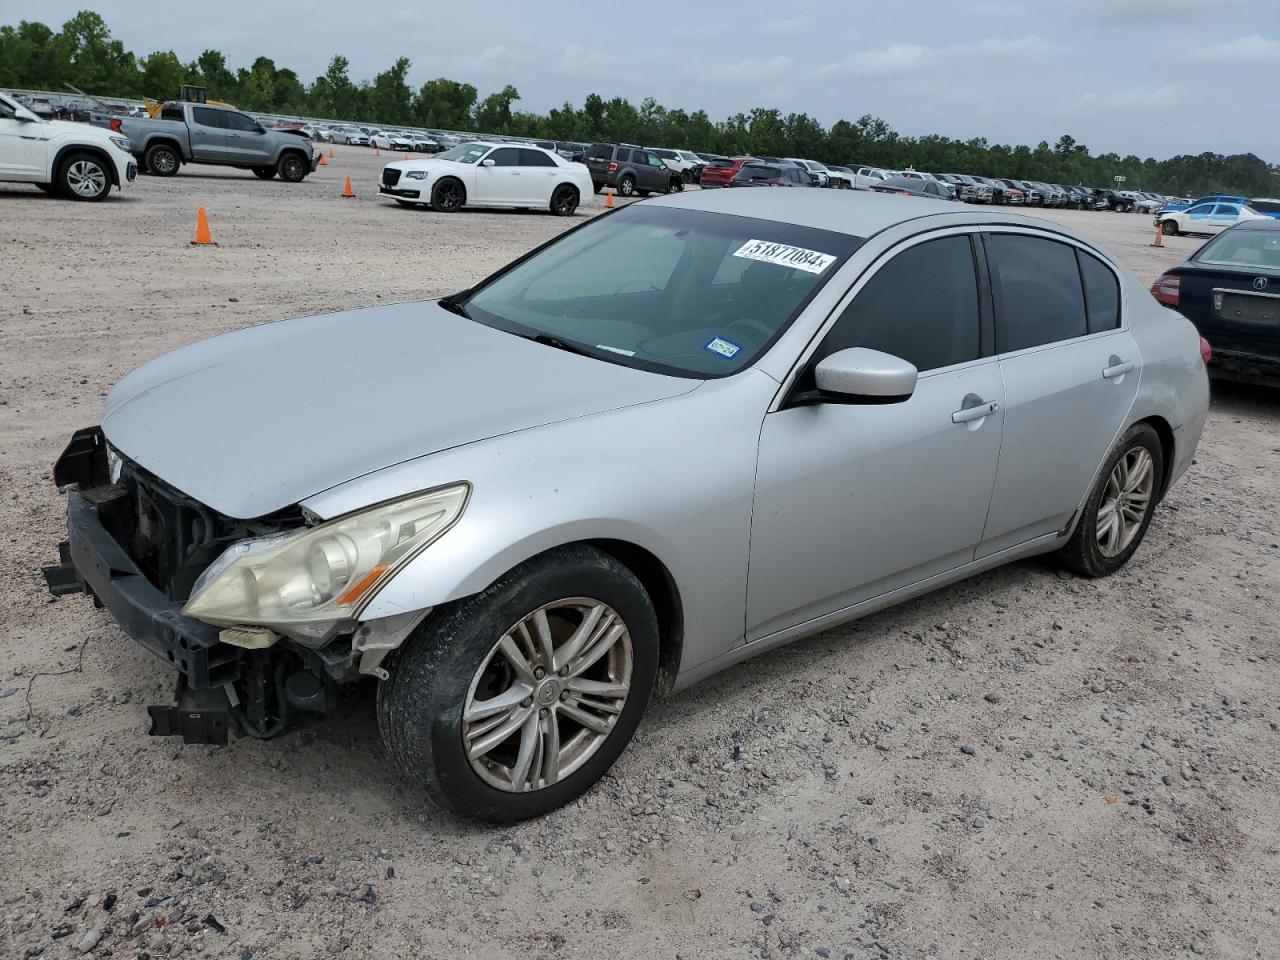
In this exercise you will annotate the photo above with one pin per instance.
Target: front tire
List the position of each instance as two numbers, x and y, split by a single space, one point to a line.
1118 511
292 168
447 196
83 176
1169 228
627 186
513 702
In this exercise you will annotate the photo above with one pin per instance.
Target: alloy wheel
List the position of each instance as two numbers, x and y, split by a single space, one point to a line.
164 161
1125 501
86 178
548 695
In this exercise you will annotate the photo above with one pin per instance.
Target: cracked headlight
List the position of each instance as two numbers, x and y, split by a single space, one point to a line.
324 573
416 175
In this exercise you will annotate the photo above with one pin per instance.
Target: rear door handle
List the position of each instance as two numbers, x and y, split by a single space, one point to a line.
976 412
1118 369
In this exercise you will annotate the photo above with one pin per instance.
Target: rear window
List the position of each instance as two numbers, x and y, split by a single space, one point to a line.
1265 206
600 150
171 111
758 171
722 163
1247 249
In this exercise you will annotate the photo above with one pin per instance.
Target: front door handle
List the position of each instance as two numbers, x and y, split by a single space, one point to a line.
1118 368
974 411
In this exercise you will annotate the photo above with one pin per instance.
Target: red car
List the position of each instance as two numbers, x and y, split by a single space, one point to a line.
719 172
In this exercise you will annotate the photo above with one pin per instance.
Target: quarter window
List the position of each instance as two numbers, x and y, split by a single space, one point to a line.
1101 293
1039 296
921 306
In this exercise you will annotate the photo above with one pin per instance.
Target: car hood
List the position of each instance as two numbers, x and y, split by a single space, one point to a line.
430 164
254 421
82 131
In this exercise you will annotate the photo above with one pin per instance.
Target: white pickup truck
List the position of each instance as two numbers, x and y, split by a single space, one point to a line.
75 159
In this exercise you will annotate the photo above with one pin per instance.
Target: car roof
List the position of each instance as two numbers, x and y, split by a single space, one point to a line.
1270 223
854 213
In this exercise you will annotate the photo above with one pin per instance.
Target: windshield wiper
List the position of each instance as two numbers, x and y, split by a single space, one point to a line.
547 340
451 303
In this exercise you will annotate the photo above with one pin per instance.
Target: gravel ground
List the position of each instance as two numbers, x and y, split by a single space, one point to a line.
1026 765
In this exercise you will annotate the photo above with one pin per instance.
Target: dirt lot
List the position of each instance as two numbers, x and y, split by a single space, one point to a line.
1115 798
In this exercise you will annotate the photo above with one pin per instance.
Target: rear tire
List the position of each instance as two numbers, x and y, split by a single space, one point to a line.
162 160
1116 515
564 200
83 176
264 173
452 662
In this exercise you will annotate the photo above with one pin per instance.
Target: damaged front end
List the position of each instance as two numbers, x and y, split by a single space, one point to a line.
138 547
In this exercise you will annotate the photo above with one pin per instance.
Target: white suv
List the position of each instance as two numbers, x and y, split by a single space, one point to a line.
75 159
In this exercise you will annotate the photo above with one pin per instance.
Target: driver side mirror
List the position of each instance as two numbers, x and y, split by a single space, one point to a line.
488 162
860 375
23 115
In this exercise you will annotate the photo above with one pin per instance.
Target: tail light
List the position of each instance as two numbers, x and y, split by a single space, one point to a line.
613 166
115 124
1165 290
1206 351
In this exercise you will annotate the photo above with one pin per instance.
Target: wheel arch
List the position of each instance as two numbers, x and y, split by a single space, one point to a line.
298 152
1167 444
93 150
466 194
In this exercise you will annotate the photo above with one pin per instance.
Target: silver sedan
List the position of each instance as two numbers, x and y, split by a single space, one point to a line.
679 435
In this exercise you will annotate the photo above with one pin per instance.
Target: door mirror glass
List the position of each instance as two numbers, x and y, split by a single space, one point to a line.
488 162
862 375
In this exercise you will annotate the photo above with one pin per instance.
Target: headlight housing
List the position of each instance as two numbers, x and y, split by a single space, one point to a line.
122 143
416 175
323 574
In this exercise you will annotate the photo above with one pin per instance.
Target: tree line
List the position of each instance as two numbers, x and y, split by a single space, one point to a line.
83 53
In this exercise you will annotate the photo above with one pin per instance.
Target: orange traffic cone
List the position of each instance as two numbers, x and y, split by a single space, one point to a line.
346 189
321 163
1159 240
608 199
331 153
203 235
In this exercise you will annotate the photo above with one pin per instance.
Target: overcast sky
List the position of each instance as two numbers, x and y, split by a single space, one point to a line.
1149 77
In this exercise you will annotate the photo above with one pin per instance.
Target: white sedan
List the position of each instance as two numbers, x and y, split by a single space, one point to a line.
489 175
390 140
1205 218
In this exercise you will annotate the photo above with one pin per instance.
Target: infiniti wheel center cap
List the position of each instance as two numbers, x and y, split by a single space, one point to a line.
548 691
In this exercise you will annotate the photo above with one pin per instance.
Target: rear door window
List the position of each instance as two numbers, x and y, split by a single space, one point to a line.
209 118
1101 293
1039 296
535 158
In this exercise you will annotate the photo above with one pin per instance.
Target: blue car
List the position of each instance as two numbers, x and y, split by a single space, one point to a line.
1216 198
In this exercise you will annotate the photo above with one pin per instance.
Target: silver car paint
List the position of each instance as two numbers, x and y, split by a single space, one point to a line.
256 420
674 470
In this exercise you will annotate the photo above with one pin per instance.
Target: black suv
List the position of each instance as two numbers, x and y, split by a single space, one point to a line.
629 169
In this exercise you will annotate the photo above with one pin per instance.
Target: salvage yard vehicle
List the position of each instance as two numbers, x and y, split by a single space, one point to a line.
629 170
917 186
1206 218
205 134
488 175
677 436
391 140
1230 289
77 160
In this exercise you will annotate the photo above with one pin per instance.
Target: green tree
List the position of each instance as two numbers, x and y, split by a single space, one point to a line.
390 99
445 104
163 74
493 115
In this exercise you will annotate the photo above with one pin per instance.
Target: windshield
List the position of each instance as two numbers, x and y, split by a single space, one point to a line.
668 289
467 153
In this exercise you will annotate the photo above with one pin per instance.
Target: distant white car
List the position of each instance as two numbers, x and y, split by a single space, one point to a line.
814 167
422 143
350 135
391 140
76 160
1206 218
489 175
864 178
683 162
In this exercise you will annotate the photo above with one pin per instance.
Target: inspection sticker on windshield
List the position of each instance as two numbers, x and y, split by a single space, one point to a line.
785 255
725 348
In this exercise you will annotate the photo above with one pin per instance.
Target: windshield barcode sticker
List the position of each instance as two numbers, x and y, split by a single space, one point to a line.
784 255
723 347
